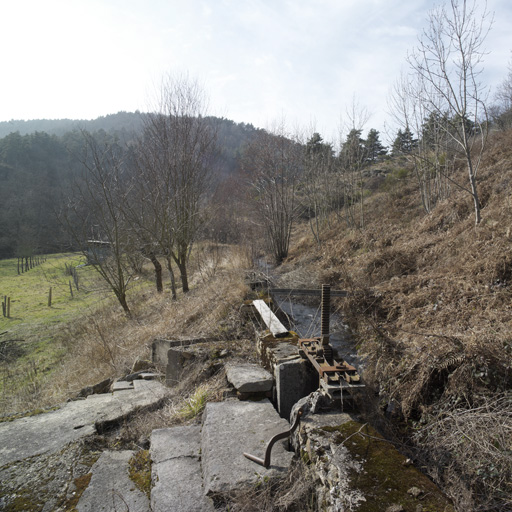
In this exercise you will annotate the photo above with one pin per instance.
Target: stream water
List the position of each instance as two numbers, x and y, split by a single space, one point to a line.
305 321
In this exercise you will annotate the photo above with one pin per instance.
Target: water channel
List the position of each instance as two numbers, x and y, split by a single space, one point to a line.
305 321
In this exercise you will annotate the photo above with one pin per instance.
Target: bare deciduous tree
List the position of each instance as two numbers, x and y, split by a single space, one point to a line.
318 190
431 155
142 217
501 111
176 156
95 220
351 160
448 64
273 162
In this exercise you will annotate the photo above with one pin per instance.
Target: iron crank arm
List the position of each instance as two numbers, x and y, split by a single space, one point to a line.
266 461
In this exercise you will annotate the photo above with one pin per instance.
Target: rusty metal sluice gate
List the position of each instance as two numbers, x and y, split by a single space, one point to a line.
335 377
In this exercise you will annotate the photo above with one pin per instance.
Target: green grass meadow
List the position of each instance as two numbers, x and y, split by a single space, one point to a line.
29 352
34 340
29 291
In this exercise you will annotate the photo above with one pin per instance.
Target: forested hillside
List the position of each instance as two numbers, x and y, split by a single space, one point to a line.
122 122
39 160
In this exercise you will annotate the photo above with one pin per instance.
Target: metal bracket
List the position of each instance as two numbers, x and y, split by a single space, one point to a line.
334 376
266 461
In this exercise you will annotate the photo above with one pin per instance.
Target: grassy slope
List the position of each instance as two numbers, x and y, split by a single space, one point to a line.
435 286
32 340
81 341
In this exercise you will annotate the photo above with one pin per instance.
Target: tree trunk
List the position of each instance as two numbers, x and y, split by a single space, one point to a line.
474 193
173 279
121 297
184 277
158 272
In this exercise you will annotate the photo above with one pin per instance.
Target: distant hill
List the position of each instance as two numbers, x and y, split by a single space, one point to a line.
38 164
122 121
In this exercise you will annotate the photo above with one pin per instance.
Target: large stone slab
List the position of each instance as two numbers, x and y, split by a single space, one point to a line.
176 471
110 488
249 378
50 432
231 428
170 443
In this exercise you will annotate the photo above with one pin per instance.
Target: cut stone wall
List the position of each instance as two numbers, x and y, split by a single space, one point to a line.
356 468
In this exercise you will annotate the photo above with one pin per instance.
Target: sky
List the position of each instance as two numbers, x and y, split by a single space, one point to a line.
305 61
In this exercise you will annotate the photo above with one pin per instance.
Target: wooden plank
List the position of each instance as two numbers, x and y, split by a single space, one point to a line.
277 329
302 291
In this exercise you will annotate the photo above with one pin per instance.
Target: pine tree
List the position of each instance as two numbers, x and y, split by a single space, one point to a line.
373 147
404 143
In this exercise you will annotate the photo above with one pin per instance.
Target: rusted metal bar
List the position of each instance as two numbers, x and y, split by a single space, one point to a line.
266 461
303 291
325 321
332 372
326 313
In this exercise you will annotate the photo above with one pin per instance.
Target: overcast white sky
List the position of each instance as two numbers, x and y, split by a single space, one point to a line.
259 59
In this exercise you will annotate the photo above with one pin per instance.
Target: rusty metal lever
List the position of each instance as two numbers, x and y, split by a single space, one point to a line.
266 461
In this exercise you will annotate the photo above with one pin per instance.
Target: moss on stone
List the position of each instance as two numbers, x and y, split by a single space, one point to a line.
140 471
23 502
385 478
81 483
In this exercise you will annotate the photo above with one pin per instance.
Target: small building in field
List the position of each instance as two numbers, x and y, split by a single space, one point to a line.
97 251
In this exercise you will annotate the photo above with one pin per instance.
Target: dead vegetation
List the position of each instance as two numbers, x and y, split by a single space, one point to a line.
295 493
104 343
432 312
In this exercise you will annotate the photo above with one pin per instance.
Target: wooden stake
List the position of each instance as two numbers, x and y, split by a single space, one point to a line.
50 298
70 288
8 307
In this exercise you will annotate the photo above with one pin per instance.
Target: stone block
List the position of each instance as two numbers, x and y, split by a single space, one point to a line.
141 365
121 385
177 360
111 488
159 351
176 471
295 379
231 428
160 348
249 378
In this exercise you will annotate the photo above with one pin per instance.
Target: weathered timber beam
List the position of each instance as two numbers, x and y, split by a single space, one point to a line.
273 324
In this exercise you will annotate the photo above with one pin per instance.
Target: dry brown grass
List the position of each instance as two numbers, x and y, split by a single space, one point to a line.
295 493
105 343
473 446
432 308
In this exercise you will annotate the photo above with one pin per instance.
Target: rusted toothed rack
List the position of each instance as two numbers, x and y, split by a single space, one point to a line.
334 376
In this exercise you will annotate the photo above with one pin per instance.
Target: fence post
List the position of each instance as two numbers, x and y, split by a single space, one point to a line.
8 307
75 279
50 297
70 288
